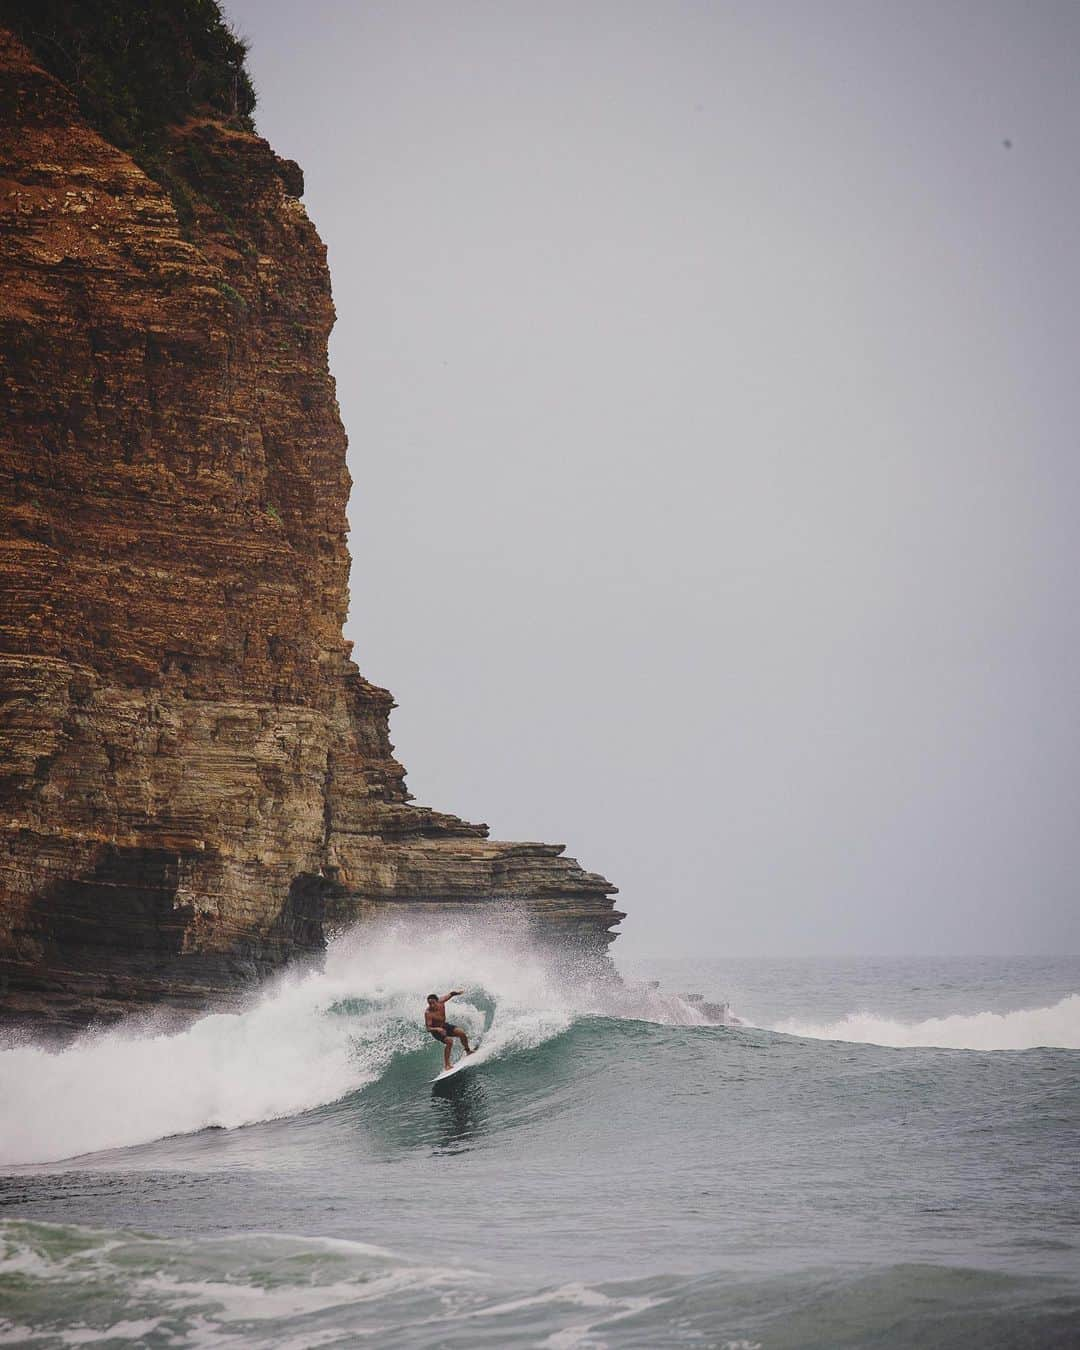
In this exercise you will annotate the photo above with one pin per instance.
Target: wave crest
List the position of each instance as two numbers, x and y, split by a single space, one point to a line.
306 1041
1026 1029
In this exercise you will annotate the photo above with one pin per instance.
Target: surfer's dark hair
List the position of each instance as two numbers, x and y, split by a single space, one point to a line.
433 996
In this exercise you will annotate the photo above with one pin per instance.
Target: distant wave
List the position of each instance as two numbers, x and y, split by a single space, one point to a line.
306 1042
1027 1029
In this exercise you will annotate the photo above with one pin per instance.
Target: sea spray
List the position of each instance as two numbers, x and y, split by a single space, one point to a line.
307 1040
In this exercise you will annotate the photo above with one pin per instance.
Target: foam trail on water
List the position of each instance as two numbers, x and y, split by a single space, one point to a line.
1027 1029
306 1041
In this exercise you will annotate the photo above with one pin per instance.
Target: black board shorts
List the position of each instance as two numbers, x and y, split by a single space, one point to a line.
441 1033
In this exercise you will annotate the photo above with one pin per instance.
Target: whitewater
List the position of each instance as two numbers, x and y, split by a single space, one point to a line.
1024 1029
311 1040
885 1144
305 1042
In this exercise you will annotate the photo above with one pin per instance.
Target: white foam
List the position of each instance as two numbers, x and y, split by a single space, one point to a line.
244 1290
305 1042
13 1333
171 1277
119 1331
1026 1029
118 1089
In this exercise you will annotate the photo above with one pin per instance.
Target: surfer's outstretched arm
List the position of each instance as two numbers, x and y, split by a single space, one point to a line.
452 994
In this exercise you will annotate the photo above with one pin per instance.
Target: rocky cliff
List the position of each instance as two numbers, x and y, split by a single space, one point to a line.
195 779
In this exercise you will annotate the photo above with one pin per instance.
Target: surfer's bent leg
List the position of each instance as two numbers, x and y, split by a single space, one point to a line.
462 1037
446 1043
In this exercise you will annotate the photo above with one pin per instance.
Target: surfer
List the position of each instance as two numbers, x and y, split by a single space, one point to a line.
440 1028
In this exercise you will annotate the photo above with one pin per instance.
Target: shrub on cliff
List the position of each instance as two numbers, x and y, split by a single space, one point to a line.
137 68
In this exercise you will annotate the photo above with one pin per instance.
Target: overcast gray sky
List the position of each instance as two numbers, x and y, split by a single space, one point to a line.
710 376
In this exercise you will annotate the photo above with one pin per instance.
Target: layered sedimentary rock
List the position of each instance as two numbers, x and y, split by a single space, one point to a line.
195 779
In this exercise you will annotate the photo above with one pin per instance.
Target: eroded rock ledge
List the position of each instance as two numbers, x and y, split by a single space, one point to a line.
194 777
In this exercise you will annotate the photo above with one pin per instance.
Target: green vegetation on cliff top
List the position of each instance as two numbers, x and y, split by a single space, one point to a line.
138 68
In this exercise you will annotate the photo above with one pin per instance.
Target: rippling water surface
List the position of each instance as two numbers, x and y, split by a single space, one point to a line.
884 1154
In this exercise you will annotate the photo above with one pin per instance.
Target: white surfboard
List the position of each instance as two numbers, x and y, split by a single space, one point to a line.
465 1062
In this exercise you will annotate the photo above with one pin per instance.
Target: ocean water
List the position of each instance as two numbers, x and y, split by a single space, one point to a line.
883 1153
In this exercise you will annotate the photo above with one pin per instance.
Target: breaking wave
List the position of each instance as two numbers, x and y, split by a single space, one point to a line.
317 1038
305 1042
1027 1029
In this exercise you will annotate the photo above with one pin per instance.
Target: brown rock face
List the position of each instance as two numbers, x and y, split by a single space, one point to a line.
194 777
